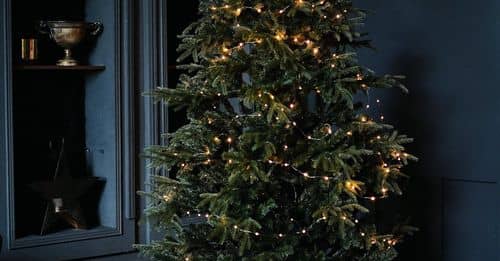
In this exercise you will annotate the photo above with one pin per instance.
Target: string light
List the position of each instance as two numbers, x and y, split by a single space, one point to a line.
238 12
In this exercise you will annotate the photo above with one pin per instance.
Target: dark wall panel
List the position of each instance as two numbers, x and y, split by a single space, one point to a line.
471 222
449 51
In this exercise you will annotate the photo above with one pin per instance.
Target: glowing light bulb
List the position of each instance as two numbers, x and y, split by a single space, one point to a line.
235 227
303 231
305 174
372 198
326 178
280 235
257 233
229 140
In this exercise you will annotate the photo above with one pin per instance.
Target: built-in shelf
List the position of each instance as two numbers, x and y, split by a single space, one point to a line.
59 68
64 236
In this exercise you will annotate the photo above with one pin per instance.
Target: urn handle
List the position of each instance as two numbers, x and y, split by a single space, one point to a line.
95 28
43 27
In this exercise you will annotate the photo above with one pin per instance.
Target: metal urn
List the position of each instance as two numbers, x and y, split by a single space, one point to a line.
69 34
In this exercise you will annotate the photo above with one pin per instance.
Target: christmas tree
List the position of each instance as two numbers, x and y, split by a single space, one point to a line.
280 160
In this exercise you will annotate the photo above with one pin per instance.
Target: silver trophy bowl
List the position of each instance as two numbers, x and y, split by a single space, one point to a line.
68 34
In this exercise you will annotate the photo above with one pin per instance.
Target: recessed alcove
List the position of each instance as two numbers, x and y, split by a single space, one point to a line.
84 107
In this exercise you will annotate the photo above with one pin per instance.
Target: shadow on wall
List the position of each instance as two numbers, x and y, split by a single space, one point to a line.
413 115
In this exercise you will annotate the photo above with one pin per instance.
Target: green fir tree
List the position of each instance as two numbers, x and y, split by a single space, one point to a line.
279 161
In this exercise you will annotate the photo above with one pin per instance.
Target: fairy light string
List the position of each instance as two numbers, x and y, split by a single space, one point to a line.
329 59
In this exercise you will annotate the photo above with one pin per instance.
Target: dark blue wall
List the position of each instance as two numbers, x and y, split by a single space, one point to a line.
449 50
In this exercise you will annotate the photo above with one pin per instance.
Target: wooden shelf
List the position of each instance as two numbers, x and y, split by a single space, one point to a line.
59 68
